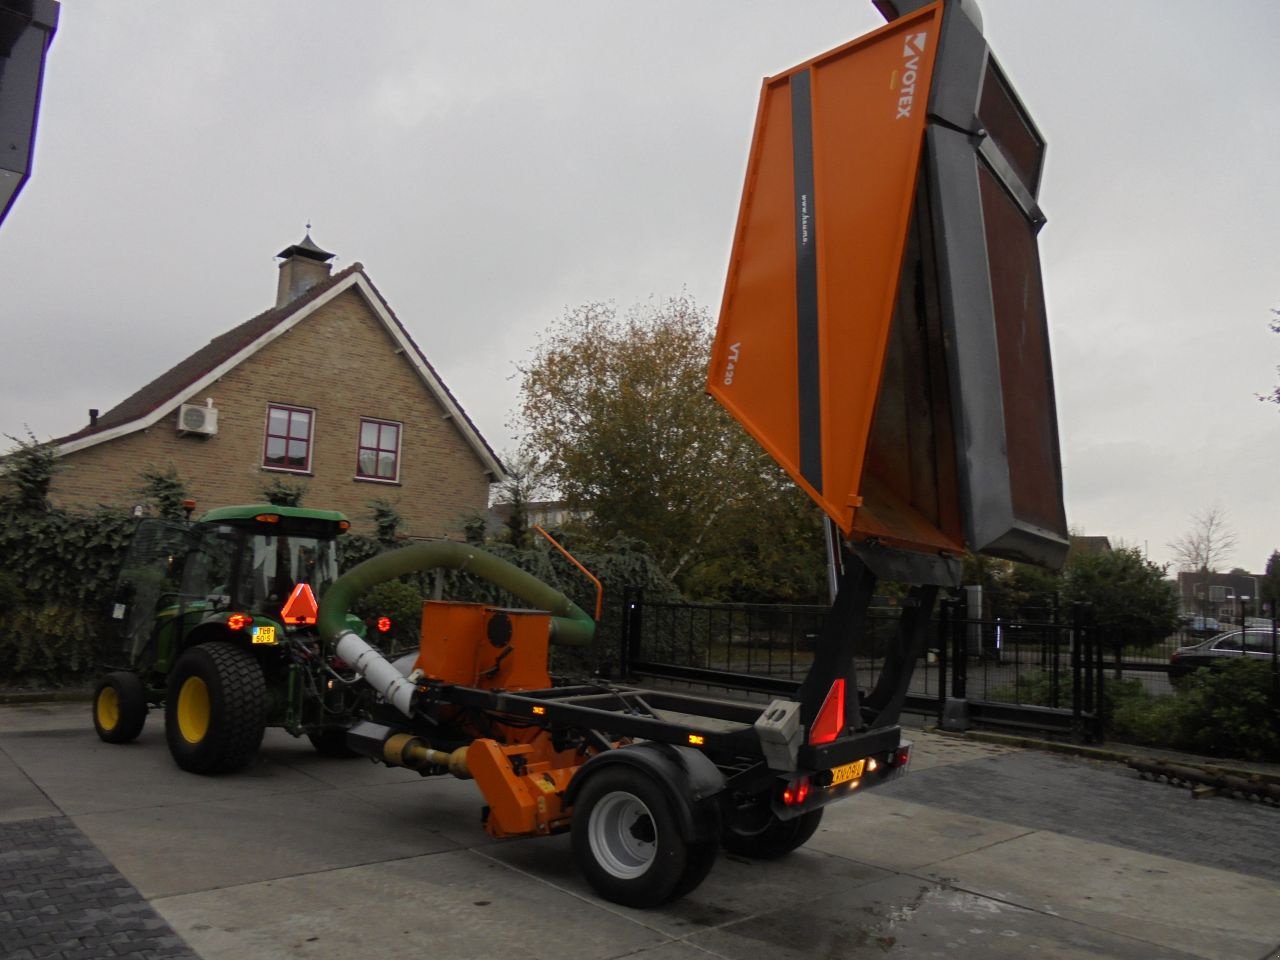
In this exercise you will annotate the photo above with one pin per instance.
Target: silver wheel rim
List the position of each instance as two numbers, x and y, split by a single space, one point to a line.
619 831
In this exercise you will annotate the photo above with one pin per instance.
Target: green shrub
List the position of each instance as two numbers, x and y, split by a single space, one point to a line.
48 645
1225 711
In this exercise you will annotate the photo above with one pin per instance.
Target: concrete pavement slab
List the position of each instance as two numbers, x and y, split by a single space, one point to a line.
43 717
736 887
1175 905
1105 803
20 798
462 905
901 836
907 917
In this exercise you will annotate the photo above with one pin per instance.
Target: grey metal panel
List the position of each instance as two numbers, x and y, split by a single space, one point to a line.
1009 178
967 312
957 73
968 315
27 33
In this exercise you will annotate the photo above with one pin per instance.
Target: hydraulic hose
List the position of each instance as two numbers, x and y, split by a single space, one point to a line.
570 625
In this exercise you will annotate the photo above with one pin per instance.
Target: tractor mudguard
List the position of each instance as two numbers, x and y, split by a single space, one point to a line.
689 777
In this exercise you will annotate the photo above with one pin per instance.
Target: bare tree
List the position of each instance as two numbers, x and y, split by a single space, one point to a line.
1208 543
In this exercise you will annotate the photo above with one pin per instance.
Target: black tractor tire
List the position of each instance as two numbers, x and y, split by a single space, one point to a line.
757 833
627 840
332 742
216 709
119 707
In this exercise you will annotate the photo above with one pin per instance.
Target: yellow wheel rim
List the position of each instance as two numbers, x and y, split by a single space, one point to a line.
193 710
108 707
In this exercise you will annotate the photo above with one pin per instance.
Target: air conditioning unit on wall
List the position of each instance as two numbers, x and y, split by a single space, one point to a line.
195 419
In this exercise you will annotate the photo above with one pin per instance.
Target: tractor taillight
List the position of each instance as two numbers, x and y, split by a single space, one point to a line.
384 624
796 792
238 621
829 723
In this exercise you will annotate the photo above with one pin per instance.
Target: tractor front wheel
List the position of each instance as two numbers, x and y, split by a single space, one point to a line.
215 711
119 707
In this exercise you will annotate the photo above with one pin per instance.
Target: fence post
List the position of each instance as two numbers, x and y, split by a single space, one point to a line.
1077 680
944 641
955 709
632 604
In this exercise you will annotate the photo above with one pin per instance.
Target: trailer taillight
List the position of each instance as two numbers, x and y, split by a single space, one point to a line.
829 722
902 757
796 792
384 624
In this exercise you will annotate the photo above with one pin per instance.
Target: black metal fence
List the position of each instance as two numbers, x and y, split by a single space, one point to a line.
1046 675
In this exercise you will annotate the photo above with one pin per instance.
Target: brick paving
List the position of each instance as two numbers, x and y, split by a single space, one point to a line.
60 898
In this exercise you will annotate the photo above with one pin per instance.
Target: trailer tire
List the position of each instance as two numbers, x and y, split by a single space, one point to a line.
215 711
759 834
627 840
119 707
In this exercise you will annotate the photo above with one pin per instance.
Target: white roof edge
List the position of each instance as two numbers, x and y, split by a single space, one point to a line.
437 388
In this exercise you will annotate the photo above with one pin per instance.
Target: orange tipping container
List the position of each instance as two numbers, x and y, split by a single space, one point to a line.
867 337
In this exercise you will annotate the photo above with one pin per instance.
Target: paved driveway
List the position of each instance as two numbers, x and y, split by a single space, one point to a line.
982 851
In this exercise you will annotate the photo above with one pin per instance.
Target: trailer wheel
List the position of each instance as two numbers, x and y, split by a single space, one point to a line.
627 841
215 711
754 831
119 707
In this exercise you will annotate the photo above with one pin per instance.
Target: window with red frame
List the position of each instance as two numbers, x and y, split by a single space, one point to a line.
378 456
288 442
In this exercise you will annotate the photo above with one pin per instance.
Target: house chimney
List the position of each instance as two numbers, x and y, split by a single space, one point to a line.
93 417
302 266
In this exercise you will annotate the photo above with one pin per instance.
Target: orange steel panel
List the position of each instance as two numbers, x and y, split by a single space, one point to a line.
456 646
836 186
525 803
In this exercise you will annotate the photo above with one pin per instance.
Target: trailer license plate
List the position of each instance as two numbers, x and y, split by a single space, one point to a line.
847 771
264 634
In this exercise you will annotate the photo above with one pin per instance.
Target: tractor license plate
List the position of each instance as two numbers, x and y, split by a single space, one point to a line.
264 634
847 771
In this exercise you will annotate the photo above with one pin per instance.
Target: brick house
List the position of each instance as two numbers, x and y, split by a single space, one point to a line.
327 389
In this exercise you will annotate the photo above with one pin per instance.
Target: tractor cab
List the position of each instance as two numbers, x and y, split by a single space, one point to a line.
255 559
256 564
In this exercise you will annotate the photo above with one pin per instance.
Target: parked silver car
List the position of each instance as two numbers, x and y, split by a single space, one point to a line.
1258 644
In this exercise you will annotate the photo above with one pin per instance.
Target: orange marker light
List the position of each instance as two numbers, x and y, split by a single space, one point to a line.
697 739
539 711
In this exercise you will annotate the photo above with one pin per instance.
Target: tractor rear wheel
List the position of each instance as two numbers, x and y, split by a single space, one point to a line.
215 712
627 840
119 707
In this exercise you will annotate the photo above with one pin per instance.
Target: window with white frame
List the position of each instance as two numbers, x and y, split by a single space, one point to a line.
378 452
288 438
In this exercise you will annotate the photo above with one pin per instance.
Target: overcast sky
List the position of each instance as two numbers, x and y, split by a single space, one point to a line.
492 164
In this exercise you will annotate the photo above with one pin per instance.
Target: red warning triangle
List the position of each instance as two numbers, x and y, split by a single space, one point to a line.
301 606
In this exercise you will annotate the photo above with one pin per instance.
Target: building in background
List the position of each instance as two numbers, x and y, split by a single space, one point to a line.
326 389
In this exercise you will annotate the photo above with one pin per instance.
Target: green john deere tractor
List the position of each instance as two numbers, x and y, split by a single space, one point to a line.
218 624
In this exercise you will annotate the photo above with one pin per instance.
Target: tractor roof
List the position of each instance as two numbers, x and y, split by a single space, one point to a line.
250 511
